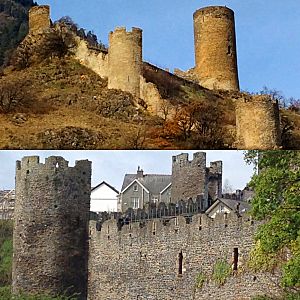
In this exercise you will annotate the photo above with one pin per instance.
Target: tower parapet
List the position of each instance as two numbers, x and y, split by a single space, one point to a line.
215 48
39 18
188 177
125 60
258 123
50 239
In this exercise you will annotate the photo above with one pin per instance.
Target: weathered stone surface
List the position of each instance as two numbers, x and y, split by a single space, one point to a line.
143 263
125 60
51 226
257 123
39 18
215 48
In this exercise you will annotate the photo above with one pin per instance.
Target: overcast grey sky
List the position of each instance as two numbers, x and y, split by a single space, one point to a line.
268 39
111 166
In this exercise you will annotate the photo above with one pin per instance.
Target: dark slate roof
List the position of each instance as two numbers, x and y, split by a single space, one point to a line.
104 182
232 205
154 183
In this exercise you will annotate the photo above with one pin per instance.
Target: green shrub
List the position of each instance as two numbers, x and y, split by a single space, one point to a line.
200 279
222 271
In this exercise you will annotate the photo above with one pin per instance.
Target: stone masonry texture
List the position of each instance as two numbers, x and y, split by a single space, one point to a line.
188 177
125 60
50 238
215 48
142 262
39 18
257 123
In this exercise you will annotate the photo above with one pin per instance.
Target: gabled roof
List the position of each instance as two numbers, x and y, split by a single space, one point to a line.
231 205
154 183
104 182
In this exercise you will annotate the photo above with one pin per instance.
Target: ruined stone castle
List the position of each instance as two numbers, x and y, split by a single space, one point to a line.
58 250
257 117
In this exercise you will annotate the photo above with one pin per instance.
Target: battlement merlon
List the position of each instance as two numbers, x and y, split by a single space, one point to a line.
54 163
222 221
183 158
122 31
216 167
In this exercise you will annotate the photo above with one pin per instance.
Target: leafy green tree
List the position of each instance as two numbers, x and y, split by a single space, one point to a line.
277 202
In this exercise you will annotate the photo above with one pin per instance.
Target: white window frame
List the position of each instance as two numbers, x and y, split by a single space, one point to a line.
135 187
135 202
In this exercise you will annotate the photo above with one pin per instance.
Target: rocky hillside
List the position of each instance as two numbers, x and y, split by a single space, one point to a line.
13 25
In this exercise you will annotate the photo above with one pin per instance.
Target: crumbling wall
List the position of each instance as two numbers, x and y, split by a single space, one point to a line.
214 180
50 238
96 60
215 48
39 18
257 123
125 60
162 260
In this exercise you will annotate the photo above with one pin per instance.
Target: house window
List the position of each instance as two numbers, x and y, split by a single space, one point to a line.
155 199
135 202
221 208
135 188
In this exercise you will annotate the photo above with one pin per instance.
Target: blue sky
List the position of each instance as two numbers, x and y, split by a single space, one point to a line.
111 166
268 34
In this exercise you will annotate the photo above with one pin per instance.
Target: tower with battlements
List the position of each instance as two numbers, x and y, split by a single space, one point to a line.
215 48
188 177
50 238
125 60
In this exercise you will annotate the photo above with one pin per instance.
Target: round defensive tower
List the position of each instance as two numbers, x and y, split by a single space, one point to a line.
50 238
215 48
39 18
258 123
125 60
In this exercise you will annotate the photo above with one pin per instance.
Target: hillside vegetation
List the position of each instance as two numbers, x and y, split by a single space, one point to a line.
48 100
13 25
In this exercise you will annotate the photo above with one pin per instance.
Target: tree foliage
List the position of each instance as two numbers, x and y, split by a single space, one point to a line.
277 202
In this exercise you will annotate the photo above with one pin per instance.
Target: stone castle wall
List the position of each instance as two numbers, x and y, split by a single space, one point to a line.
215 48
214 180
39 18
257 123
188 177
125 60
50 238
160 260
96 60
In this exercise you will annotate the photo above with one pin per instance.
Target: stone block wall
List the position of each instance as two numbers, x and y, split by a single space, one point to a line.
214 180
125 60
162 260
257 123
215 48
50 238
39 18
188 177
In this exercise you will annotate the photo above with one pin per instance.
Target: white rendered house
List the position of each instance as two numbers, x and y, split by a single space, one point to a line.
104 197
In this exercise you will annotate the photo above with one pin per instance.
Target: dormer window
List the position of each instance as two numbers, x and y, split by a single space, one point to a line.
135 188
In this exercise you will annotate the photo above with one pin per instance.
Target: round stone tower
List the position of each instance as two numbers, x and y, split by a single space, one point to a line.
215 48
39 18
125 60
50 238
258 123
